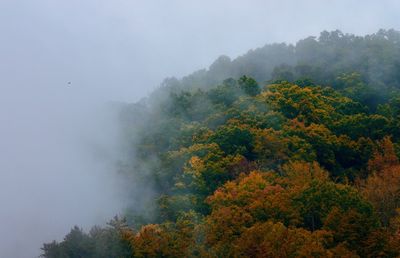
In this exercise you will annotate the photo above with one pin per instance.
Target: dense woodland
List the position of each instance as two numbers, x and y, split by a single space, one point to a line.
286 151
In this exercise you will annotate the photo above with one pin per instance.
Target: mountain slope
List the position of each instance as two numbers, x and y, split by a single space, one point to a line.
285 151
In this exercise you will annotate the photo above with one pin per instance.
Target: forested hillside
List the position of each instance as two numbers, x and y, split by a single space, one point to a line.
286 151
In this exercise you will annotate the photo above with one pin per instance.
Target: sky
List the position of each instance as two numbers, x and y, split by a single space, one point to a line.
62 60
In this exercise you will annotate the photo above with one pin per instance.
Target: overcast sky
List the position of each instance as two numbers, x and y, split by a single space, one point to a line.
116 50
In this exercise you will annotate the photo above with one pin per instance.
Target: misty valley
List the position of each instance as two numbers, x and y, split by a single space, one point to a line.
290 150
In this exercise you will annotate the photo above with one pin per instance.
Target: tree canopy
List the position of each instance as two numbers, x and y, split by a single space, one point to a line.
286 151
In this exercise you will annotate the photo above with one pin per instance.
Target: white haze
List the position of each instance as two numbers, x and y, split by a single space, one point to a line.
57 141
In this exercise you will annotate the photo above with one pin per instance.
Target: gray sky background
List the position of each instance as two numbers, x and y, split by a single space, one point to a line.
116 50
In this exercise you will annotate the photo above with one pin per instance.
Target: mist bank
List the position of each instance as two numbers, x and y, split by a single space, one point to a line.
58 151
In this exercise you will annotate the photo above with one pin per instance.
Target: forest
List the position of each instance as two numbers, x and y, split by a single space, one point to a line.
285 151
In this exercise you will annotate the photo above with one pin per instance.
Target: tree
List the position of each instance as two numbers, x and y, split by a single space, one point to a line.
249 85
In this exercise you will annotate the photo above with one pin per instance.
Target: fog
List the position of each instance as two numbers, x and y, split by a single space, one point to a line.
61 62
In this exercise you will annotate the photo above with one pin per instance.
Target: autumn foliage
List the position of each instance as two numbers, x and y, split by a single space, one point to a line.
287 168
289 172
